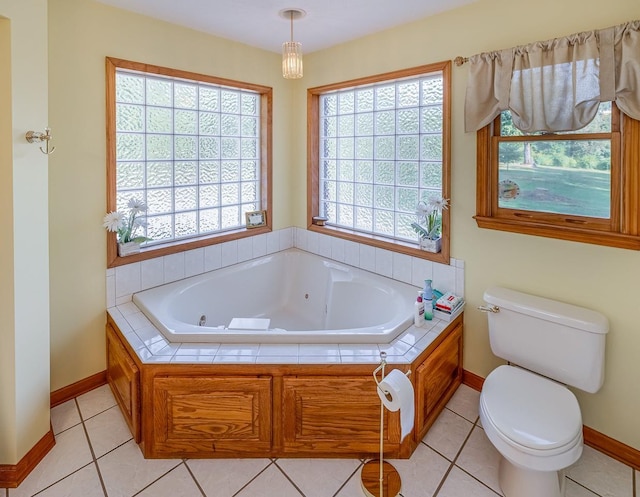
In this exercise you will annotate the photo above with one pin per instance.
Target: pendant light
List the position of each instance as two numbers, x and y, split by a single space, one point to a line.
292 50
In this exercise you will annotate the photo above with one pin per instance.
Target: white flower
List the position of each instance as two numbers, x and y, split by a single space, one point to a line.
438 204
125 225
137 206
139 221
113 221
422 209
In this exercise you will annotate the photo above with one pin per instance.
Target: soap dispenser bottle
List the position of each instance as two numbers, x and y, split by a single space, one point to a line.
427 298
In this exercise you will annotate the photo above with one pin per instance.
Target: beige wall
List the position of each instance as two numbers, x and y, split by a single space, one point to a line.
605 279
81 34
24 255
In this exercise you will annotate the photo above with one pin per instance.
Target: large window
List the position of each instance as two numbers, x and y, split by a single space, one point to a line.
195 149
379 146
580 185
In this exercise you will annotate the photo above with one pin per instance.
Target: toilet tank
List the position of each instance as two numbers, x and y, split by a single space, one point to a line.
561 341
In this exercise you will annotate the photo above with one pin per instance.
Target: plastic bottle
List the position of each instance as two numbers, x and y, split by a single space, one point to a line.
427 298
418 311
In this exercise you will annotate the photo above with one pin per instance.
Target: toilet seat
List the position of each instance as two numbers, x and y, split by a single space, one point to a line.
533 421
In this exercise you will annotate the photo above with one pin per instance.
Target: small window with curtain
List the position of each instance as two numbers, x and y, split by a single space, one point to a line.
193 149
559 137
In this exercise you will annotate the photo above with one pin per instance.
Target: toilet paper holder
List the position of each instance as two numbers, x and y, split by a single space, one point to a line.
380 368
372 486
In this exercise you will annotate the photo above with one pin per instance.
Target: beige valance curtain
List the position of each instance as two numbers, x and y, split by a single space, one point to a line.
557 85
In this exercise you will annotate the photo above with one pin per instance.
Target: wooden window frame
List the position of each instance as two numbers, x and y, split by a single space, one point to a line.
621 230
266 139
313 162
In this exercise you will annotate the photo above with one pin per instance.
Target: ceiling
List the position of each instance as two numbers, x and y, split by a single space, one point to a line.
258 23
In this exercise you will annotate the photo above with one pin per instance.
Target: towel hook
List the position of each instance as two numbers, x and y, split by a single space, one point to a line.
36 136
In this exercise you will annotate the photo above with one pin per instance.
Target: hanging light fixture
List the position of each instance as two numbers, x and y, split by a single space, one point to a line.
292 50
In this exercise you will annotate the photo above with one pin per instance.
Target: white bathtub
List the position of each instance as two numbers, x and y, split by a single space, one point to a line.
306 298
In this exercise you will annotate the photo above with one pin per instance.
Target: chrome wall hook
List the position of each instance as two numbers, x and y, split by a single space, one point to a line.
36 136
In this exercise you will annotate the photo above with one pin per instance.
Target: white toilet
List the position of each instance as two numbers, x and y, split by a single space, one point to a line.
528 414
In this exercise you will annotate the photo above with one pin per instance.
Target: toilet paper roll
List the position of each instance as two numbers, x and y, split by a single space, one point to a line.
396 392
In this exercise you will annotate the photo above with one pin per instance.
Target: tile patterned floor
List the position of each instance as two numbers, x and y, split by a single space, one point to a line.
94 456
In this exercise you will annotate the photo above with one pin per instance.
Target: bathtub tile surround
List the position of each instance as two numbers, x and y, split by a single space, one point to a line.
125 280
93 444
193 262
212 258
151 346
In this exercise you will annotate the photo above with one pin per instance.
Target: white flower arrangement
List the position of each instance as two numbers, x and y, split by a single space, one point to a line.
126 225
429 225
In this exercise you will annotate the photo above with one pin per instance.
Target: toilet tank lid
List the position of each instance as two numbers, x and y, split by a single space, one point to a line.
547 309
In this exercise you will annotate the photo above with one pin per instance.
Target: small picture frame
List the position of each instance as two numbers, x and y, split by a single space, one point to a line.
255 219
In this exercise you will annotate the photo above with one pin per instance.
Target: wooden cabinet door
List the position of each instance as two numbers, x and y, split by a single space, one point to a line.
124 377
203 416
335 414
436 376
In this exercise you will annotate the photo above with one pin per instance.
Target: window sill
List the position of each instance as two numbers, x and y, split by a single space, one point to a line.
114 260
380 242
574 234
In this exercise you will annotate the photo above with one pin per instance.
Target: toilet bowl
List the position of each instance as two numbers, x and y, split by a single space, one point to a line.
529 415
536 426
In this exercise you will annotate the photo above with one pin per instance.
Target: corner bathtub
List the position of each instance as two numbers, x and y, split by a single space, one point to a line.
307 299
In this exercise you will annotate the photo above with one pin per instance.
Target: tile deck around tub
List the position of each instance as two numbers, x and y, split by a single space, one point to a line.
152 347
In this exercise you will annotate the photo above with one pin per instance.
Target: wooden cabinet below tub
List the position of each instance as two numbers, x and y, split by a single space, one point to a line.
222 415
323 414
276 410
437 378
124 377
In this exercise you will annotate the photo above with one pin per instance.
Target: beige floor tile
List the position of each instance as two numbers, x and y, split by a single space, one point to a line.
126 472
480 459
575 490
178 482
448 433
70 453
602 474
95 401
83 483
271 482
421 474
460 484
224 477
318 477
465 403
64 416
107 431
353 488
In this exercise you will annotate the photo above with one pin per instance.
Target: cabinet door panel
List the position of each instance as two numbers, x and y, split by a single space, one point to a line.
436 375
204 415
329 413
124 378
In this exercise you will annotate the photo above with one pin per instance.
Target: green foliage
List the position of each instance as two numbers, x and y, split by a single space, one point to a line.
573 154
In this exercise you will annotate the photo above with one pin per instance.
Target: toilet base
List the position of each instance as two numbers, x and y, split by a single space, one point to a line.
519 482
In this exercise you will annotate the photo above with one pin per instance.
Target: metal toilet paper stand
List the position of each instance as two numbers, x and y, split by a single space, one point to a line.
379 478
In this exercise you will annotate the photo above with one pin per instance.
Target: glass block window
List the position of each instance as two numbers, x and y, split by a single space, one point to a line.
190 149
381 152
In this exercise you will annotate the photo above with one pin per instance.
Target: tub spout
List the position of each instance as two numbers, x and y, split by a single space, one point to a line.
203 320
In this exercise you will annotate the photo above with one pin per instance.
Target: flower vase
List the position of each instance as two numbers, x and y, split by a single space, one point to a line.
431 245
128 248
